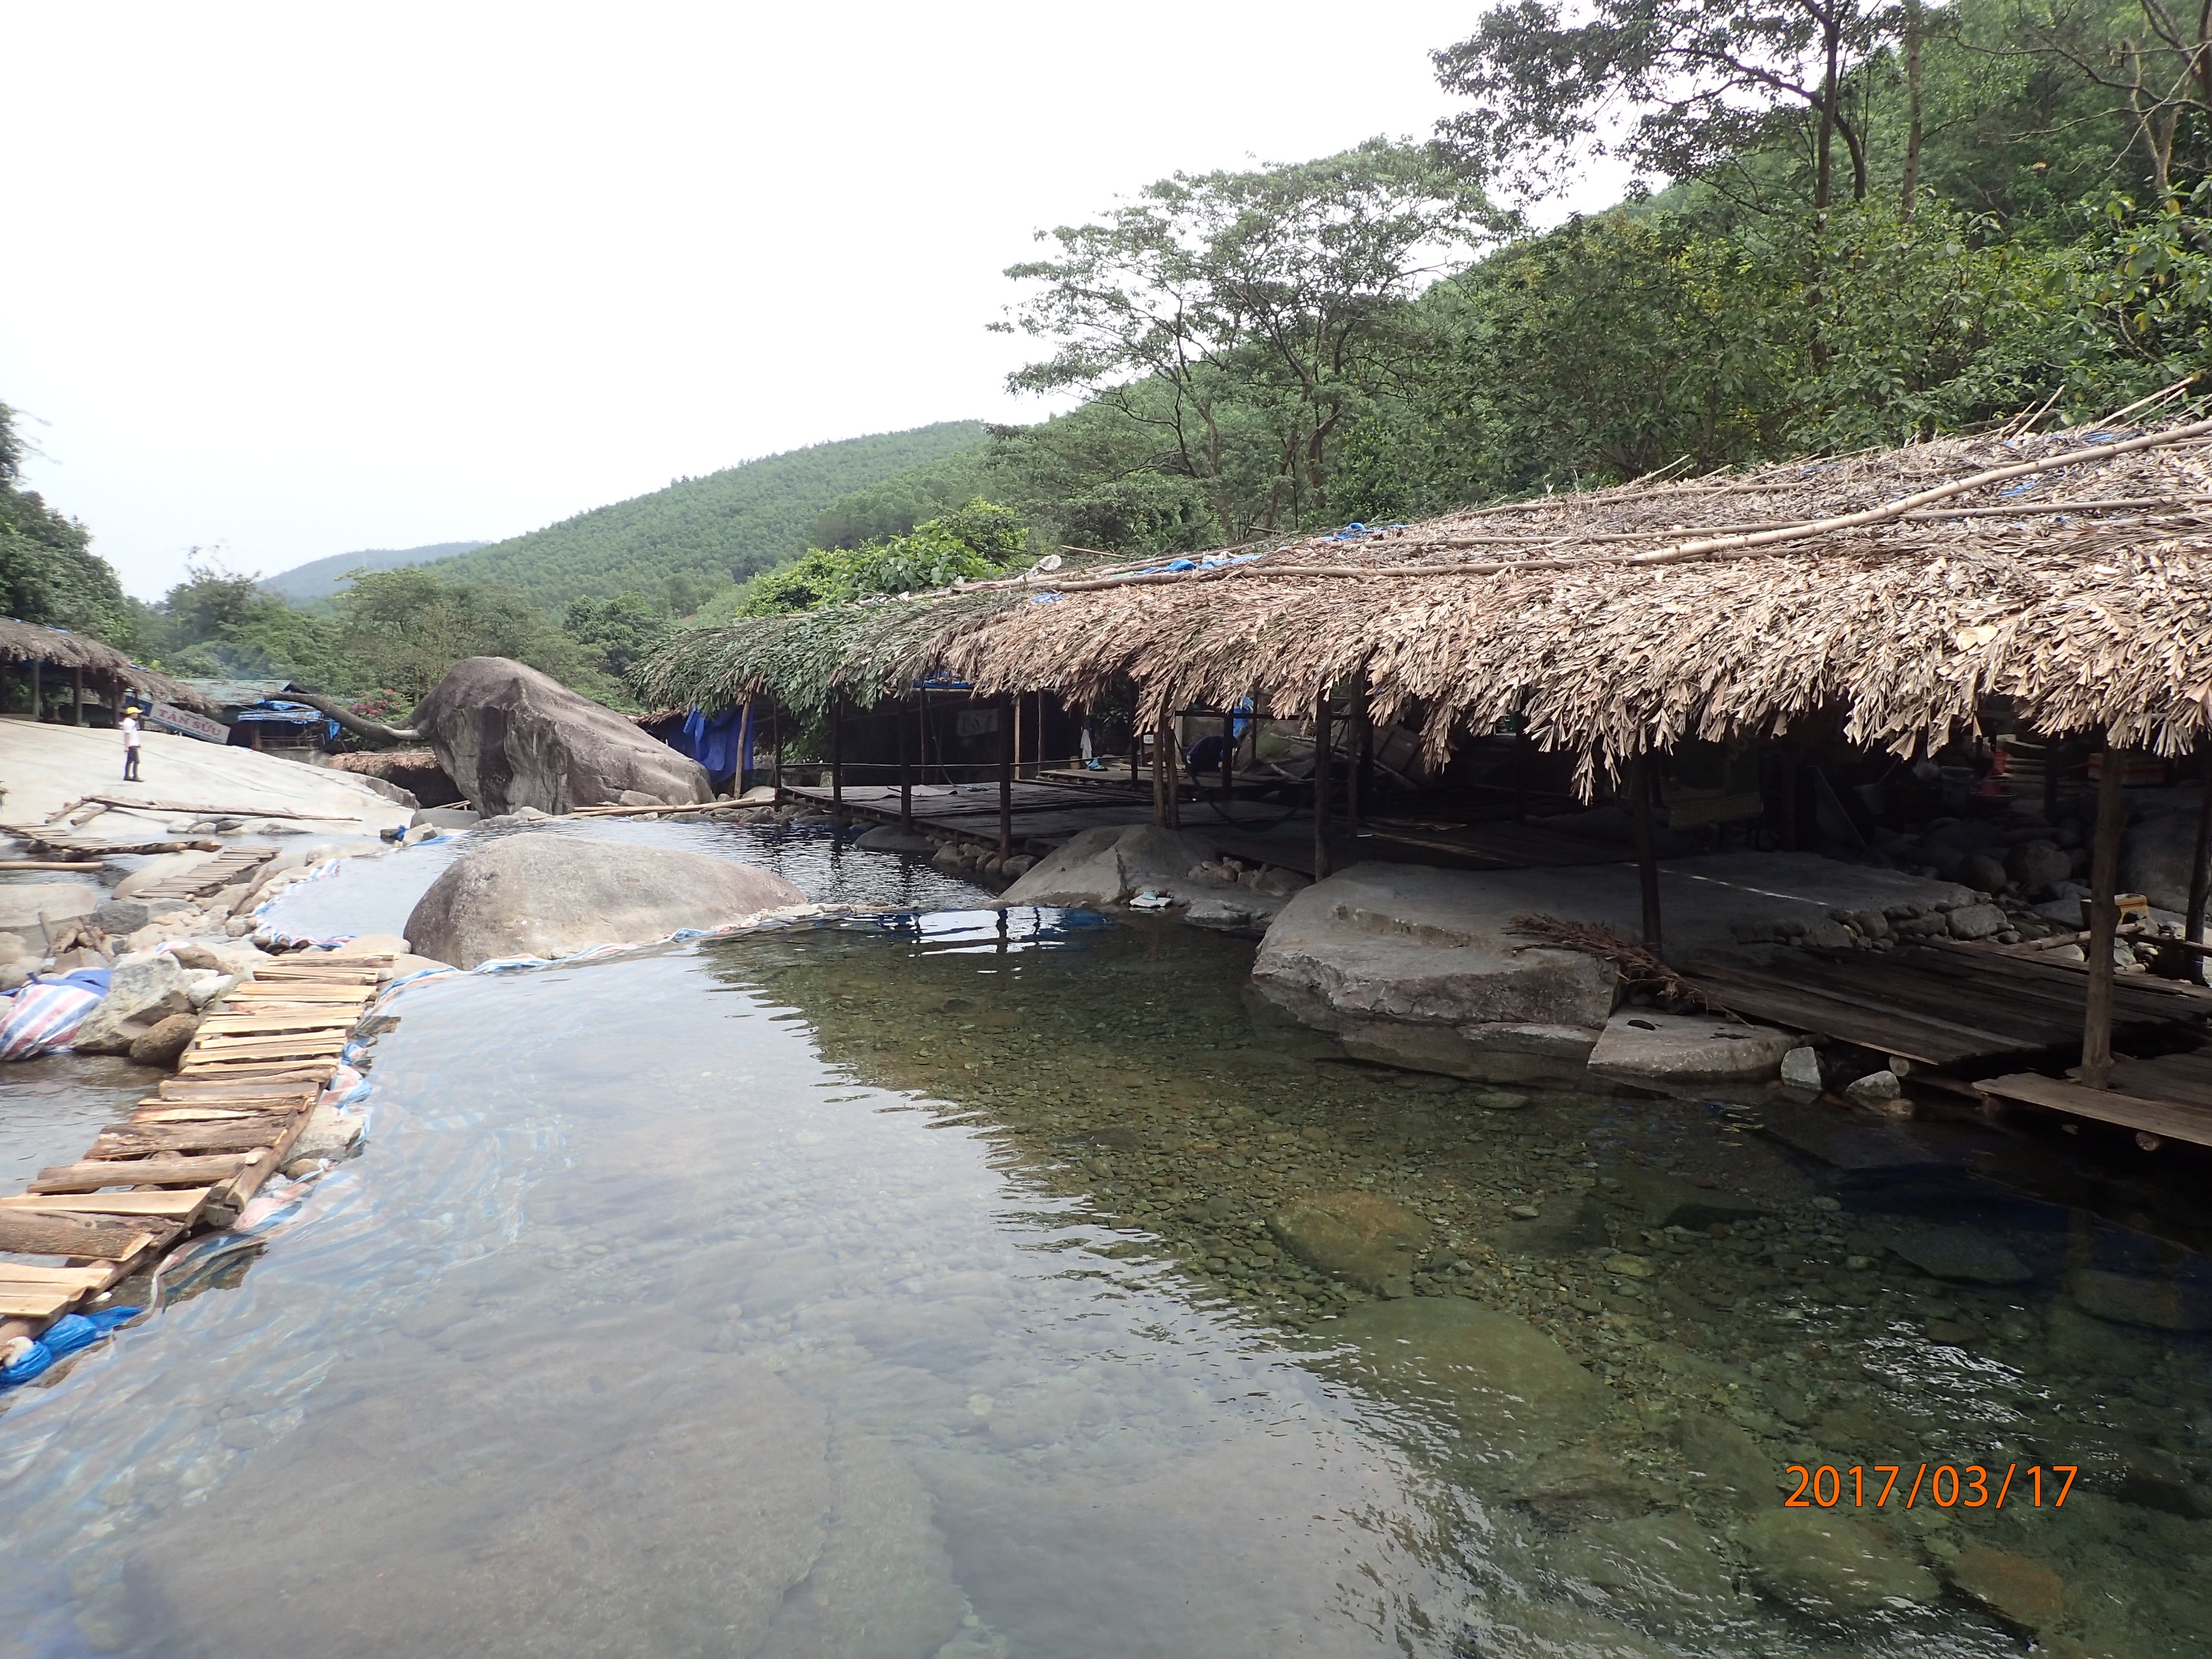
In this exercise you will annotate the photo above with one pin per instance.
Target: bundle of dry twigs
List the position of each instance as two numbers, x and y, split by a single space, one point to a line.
1639 970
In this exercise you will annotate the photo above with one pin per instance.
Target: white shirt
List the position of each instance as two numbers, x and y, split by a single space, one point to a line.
129 732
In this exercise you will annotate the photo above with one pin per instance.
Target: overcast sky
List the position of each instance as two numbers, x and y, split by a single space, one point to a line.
300 280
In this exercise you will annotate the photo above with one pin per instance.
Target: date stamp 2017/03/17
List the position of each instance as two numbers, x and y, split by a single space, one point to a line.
1947 1485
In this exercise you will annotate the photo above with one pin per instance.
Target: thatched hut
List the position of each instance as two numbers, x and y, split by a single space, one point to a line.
85 664
1899 592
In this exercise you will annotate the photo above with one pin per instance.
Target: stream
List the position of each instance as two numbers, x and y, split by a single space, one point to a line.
917 1284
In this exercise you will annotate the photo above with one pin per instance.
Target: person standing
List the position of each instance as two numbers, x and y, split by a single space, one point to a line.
131 734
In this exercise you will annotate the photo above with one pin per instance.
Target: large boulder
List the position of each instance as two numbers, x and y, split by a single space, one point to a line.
544 893
141 995
1411 967
2155 857
41 912
1114 863
512 736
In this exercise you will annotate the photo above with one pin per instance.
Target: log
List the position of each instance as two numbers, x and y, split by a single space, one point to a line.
91 1177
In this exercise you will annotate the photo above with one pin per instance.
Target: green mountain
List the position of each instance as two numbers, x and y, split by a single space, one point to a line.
703 533
320 579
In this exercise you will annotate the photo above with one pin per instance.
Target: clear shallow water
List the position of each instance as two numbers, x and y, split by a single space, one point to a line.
50 1108
895 1289
376 894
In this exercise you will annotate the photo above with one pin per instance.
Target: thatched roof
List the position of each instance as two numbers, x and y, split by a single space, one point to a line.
25 642
2070 572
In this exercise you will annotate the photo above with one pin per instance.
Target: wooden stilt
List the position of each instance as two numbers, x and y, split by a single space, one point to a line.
1324 740
1160 795
1009 739
1362 740
2103 918
779 754
2193 926
34 689
1228 762
1014 704
906 782
1647 859
745 737
76 696
922 730
837 759
1173 766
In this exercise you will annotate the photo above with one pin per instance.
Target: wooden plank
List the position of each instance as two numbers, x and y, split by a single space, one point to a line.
333 1017
146 1140
36 1301
180 1206
1930 1040
26 1232
63 1276
300 1045
2156 1117
92 1176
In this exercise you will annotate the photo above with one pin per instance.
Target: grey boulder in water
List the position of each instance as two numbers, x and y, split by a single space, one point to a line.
544 893
510 737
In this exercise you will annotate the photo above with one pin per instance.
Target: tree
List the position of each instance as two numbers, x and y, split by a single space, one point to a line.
2153 61
625 628
402 628
1231 310
1710 81
49 573
978 540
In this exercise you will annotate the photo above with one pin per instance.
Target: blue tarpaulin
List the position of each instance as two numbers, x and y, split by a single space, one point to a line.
721 742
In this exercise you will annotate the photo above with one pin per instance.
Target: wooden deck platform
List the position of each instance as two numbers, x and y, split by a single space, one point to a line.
1944 1004
193 1153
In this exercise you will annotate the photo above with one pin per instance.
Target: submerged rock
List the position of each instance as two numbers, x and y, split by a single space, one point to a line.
1727 1465
890 838
1507 1381
548 894
2023 1592
1957 1252
1687 1047
2162 1304
1374 1243
1659 1568
510 737
1827 1565
1536 1630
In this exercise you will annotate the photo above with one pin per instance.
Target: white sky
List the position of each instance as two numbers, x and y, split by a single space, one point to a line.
300 280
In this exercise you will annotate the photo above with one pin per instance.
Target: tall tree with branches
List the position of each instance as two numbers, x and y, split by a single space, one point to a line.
1226 310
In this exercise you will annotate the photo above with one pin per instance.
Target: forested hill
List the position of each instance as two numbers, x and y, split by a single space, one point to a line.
320 579
703 532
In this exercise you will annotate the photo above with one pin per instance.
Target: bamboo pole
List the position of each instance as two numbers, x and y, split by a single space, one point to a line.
779 754
906 782
1014 702
1228 762
2104 918
1362 735
1009 742
1322 741
1647 859
34 690
745 737
2199 879
76 695
837 759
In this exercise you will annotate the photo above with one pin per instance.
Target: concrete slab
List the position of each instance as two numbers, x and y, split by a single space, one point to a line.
45 767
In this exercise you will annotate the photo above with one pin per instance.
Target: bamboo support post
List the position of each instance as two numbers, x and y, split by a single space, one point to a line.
1322 742
1228 762
2103 918
1647 861
2199 879
34 689
838 760
1009 748
779 754
1354 778
1014 704
76 695
906 782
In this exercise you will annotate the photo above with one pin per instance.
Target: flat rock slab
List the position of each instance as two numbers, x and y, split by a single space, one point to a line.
1688 1048
545 893
47 766
1418 967
890 838
1114 863
2158 1304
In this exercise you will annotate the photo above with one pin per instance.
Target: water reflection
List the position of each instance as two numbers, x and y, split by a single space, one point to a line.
919 1285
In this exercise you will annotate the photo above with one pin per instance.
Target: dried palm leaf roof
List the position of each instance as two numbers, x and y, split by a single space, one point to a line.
2070 572
22 642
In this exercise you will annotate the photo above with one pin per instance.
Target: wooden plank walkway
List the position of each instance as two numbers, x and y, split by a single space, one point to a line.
1943 1005
195 1151
2133 1103
233 864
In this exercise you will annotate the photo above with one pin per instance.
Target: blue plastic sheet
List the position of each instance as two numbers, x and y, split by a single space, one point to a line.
63 1337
